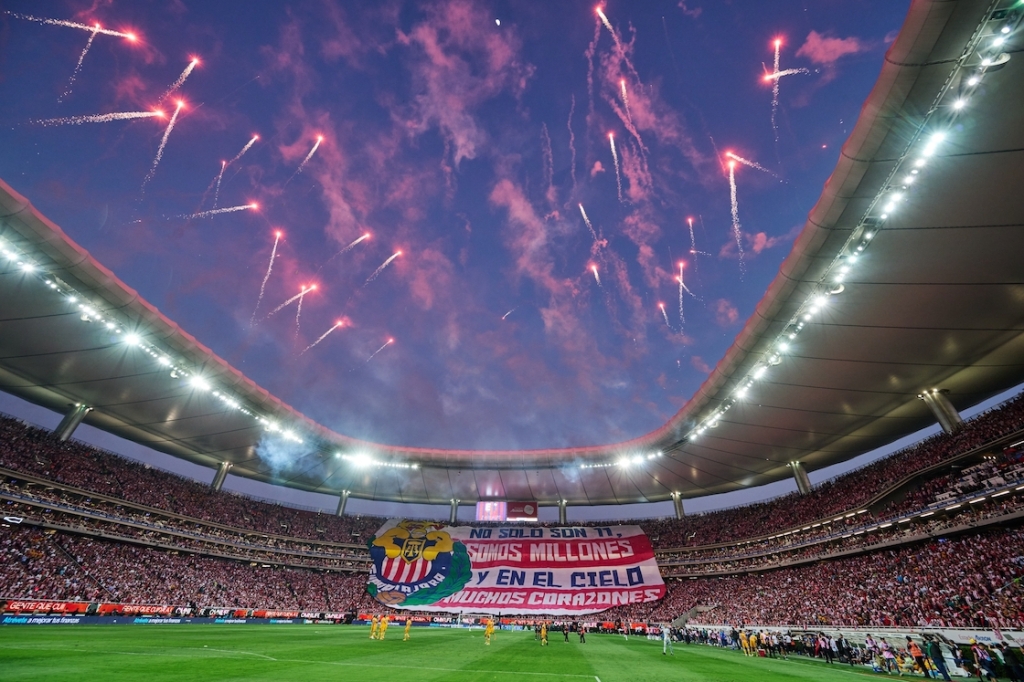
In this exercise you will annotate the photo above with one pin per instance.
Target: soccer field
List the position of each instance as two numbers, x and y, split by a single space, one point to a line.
311 653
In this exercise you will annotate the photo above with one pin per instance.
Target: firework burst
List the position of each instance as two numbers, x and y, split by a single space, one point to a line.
597 277
296 297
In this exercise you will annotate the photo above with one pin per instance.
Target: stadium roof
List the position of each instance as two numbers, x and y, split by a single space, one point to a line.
906 277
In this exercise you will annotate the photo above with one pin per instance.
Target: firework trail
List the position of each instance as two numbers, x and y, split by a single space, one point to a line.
296 297
736 230
298 314
389 342
78 66
73 24
182 78
597 277
587 221
664 314
223 167
217 180
319 139
615 158
549 163
266 278
383 265
693 240
775 91
509 313
786 72
682 317
219 211
98 118
774 77
163 143
344 251
247 147
608 25
625 99
752 164
323 336
572 145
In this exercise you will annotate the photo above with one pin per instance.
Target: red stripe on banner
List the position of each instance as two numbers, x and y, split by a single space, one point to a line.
560 553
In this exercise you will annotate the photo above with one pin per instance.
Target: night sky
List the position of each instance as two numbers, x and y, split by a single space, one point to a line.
465 135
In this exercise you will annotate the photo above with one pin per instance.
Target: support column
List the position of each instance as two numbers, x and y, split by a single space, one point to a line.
218 478
562 512
677 500
947 416
453 518
803 484
71 421
342 501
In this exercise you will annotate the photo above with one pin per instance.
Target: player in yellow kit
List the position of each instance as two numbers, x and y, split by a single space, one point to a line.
408 626
373 627
544 634
744 643
488 631
383 628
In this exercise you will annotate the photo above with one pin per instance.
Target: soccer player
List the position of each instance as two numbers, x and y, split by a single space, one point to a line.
666 640
565 632
408 626
383 628
489 631
373 627
581 628
544 633
744 643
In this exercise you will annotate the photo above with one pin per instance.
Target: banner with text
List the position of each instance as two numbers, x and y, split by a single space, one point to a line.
420 565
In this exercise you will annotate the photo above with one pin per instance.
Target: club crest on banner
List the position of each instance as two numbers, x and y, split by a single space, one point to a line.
416 563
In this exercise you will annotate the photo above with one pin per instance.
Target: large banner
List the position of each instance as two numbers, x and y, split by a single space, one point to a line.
420 565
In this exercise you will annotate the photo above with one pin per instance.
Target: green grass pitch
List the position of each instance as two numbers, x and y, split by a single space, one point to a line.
324 652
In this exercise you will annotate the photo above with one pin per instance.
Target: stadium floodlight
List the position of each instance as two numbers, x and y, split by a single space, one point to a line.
199 383
132 339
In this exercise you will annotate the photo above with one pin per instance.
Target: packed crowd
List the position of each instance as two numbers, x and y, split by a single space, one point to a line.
80 510
968 581
842 493
34 451
62 566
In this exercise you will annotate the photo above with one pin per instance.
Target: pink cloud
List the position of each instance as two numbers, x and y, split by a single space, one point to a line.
697 362
456 67
826 50
725 312
692 12
597 168
431 276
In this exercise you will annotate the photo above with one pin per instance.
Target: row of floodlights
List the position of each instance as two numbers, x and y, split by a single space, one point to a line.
90 313
886 203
